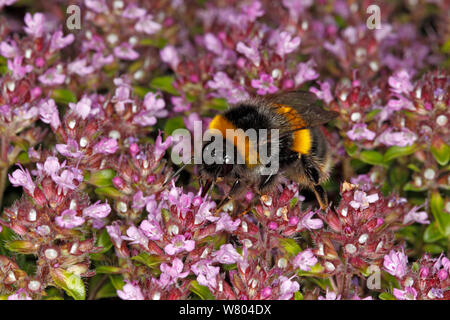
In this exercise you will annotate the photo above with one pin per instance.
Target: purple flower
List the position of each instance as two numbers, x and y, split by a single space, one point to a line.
287 288
8 49
125 51
435 293
82 108
21 294
324 93
338 48
400 82
227 254
130 291
51 166
205 212
106 146
396 263
213 44
52 77
251 52
305 72
6 3
180 104
115 233
311 224
296 7
80 67
58 40
161 147
226 223
136 236
48 112
34 24
359 131
99 60
97 210
206 274
147 25
69 219
252 11
264 84
416 216
18 71
98 6
286 44
305 260
402 138
21 177
133 12
153 108
174 272
330 295
408 294
70 149
179 244
362 201
151 229
169 55
65 180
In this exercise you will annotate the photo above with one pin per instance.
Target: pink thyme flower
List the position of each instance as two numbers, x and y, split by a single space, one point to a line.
305 260
401 138
97 210
18 71
252 11
359 131
98 6
286 44
213 44
67 179
400 82
147 25
70 149
179 244
206 273
69 219
106 146
48 112
416 216
311 224
170 56
296 7
264 84
21 177
6 3
21 294
8 49
133 12
251 52
161 147
324 93
205 213
115 233
52 76
153 108
125 51
58 40
50 167
226 254
330 295
226 223
180 104
396 263
287 288
362 201
305 72
408 294
151 228
80 67
136 236
34 24
130 291
174 272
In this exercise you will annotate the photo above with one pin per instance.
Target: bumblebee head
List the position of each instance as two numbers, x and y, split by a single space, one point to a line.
218 161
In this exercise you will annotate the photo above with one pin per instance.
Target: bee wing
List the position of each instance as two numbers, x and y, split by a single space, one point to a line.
304 103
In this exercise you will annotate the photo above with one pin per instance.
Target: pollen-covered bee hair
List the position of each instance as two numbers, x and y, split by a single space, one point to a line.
301 149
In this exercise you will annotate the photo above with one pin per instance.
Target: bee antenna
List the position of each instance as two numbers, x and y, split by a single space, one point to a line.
177 173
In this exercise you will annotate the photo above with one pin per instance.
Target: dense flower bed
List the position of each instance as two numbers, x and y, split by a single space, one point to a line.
87 117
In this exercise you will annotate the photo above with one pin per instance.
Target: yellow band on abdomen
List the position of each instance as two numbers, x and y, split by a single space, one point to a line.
301 138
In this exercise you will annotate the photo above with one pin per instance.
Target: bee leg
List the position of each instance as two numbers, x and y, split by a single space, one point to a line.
266 181
310 169
321 196
229 195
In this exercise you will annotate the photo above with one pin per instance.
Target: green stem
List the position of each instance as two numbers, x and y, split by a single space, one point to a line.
4 142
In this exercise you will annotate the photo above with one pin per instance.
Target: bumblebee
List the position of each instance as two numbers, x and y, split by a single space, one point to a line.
302 151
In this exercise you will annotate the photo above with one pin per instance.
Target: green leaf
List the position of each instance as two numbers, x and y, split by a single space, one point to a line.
290 245
395 152
154 42
71 283
101 178
104 241
442 218
386 296
117 281
110 192
298 296
369 117
201 291
433 248
218 104
372 157
432 233
151 261
108 270
172 124
164 83
350 148
141 91
63 96
442 154
106 291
